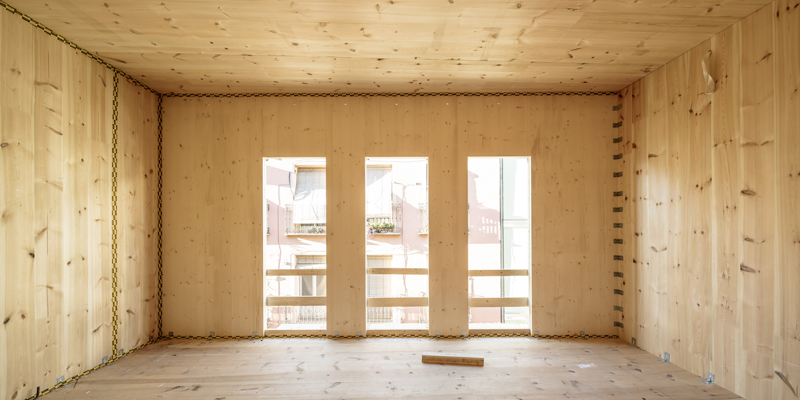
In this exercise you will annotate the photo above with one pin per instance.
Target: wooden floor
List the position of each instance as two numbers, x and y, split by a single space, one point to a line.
516 368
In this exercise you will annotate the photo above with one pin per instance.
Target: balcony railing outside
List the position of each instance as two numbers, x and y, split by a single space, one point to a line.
296 315
302 229
397 315
396 220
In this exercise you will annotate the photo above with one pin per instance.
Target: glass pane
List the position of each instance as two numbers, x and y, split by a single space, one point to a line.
397 285
296 317
308 286
320 285
499 318
397 318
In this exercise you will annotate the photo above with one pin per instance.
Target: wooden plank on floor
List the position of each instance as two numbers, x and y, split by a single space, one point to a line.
452 359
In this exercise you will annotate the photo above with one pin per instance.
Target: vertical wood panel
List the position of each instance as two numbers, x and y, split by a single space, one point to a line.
447 166
16 122
137 201
758 199
787 145
49 185
679 318
733 191
726 240
55 112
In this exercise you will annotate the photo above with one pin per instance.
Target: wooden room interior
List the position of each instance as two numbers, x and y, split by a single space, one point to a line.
663 138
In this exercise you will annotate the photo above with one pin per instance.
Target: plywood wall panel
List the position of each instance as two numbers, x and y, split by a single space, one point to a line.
732 183
18 211
787 145
137 199
56 116
677 130
200 218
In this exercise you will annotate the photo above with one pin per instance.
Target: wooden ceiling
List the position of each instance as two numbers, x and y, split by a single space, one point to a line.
387 46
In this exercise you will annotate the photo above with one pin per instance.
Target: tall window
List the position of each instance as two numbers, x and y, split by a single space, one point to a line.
294 244
397 254
499 242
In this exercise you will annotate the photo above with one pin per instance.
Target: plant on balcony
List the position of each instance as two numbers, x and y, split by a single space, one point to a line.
385 227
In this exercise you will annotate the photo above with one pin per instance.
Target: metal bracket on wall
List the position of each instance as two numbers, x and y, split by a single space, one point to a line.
616 107
709 379
665 359
618 194
619 324
618 308
617 241
618 225
617 124
60 379
618 275
618 291
617 174
616 209
617 139
618 258
618 156
633 341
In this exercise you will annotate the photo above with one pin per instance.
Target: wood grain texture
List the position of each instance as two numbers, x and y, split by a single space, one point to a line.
55 231
567 137
409 46
731 181
390 368
137 210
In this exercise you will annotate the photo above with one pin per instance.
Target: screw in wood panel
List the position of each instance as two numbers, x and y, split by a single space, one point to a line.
709 379
665 359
